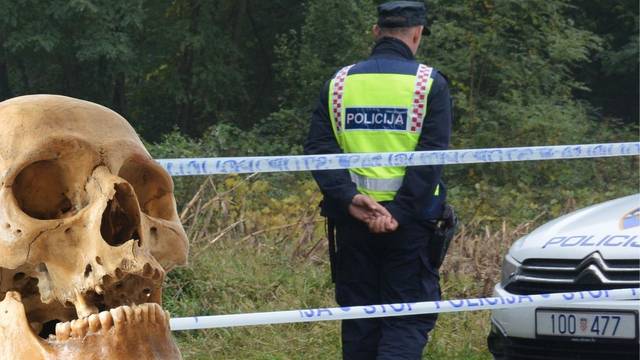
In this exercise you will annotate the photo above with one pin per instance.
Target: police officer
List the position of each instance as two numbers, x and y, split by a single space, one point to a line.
386 103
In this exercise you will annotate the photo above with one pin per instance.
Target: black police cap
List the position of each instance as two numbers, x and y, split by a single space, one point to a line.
396 14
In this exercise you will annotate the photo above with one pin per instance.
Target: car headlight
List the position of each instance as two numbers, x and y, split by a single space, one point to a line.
509 270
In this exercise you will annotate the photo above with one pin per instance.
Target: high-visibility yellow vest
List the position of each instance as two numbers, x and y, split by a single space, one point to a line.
379 113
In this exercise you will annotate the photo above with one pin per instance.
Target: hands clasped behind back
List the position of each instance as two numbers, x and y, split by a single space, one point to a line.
377 217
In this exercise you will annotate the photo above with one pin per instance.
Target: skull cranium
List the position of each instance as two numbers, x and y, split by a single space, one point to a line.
88 229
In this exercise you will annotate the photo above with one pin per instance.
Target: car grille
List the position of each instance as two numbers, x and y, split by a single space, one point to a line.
539 276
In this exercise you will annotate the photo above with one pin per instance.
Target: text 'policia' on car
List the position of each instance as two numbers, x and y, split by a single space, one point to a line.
594 249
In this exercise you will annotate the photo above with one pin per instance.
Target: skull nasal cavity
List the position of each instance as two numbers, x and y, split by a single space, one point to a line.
121 218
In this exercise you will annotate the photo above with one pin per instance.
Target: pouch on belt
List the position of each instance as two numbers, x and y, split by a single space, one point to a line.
444 229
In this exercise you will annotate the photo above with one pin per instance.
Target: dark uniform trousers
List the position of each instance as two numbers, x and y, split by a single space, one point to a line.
374 269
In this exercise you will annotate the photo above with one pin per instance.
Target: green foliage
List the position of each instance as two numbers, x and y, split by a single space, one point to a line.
255 247
194 64
510 67
306 58
185 63
76 48
203 74
327 41
235 279
238 279
612 73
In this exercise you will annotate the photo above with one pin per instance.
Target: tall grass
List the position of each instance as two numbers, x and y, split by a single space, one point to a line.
257 248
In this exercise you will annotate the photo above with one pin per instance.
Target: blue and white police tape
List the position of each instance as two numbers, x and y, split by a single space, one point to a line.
243 165
378 311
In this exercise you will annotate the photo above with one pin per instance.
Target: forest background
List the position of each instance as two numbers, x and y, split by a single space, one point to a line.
240 77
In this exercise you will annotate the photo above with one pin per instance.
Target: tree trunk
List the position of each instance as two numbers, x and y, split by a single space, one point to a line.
26 84
5 89
119 98
263 71
239 15
185 104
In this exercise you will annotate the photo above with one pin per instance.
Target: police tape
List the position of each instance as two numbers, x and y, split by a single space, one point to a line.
263 164
406 309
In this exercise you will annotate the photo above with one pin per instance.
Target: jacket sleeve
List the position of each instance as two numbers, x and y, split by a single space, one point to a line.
417 192
336 185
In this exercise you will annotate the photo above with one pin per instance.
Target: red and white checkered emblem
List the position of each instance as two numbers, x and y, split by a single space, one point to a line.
420 98
583 324
338 95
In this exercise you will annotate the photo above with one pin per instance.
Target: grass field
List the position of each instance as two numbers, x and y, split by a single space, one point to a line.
232 279
255 248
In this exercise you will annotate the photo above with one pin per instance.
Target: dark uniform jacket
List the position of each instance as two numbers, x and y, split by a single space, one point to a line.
415 200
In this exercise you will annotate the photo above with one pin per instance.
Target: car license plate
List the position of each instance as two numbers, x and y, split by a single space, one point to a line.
596 324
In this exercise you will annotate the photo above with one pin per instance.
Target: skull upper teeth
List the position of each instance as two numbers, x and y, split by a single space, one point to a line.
115 318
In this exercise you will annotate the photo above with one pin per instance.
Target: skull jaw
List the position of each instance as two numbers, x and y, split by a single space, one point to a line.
139 333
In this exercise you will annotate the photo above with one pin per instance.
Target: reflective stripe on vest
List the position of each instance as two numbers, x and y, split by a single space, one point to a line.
364 182
379 113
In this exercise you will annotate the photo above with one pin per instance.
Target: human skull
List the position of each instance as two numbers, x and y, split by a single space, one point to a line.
88 230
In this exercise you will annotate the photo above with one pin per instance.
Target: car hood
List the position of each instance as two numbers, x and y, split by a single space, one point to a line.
611 228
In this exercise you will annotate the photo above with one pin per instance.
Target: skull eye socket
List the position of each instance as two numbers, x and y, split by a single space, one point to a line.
41 191
153 187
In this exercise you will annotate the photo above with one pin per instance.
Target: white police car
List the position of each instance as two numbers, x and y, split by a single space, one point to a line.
597 248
